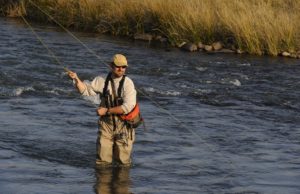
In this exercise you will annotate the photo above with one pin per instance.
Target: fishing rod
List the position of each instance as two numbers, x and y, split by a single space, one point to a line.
140 91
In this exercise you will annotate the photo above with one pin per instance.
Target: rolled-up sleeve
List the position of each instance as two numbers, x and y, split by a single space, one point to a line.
129 96
94 87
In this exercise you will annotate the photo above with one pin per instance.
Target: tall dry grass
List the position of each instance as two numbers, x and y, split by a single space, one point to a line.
256 26
11 8
268 26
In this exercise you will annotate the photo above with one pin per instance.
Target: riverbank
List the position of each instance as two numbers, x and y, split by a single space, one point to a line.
260 27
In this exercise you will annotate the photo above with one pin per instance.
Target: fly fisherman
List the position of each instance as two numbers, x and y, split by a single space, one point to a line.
118 97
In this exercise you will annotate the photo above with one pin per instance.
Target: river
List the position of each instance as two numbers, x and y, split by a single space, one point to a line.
215 123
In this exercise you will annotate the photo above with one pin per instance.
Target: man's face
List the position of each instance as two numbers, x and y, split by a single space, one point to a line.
118 71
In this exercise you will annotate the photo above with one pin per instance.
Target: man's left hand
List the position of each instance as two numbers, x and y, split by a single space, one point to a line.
101 111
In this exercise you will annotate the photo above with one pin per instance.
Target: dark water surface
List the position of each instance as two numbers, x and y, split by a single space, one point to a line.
235 124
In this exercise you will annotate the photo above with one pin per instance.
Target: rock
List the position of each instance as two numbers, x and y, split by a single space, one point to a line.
298 54
217 46
163 40
200 45
189 47
285 54
181 44
239 51
145 37
208 48
158 37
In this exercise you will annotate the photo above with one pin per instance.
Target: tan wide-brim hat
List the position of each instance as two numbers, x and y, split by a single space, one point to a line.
119 60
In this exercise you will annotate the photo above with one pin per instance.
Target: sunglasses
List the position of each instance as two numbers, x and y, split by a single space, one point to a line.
122 67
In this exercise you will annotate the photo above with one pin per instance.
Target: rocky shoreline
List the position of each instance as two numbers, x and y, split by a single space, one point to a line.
216 47
17 8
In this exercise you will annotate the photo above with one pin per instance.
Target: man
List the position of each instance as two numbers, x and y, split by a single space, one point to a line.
115 139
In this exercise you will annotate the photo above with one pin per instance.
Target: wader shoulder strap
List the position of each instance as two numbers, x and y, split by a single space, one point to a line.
121 84
109 78
108 98
116 101
104 92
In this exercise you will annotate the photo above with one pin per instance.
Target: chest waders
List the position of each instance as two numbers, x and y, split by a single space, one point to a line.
115 140
112 100
133 119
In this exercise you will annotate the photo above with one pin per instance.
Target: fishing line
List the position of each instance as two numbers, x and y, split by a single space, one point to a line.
70 33
42 42
140 91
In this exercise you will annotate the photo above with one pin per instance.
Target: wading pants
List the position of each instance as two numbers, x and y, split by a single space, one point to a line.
114 142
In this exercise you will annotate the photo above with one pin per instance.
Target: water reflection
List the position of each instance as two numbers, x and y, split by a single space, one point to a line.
114 180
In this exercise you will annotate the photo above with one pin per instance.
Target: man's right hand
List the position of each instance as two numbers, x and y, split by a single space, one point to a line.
73 75
79 84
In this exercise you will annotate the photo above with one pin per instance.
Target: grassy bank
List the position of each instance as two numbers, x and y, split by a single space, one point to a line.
254 26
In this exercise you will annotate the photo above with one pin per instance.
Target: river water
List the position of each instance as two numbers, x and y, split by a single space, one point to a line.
216 123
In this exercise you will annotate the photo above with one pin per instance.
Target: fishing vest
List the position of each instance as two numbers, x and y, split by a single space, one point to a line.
132 119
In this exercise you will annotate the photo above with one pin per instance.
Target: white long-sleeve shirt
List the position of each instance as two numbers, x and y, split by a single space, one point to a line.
128 93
